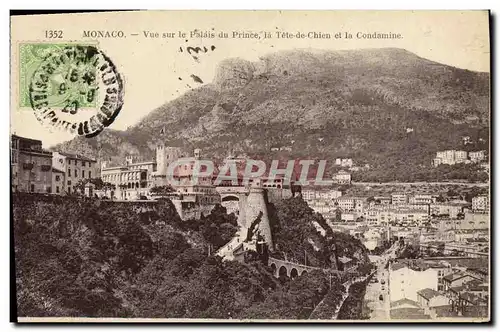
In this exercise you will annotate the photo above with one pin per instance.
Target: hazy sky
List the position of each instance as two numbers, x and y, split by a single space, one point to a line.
152 66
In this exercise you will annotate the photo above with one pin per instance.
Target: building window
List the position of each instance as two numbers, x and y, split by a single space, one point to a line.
76 173
69 183
69 172
83 174
83 164
57 189
90 174
32 189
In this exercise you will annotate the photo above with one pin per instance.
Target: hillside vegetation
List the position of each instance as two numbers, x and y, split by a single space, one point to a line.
297 239
91 258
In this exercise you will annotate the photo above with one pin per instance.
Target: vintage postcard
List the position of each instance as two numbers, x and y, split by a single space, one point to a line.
235 166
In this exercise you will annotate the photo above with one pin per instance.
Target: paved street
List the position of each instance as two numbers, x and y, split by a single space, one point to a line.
379 308
379 285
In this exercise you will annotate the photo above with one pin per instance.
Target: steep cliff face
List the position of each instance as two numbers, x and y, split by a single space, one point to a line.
297 239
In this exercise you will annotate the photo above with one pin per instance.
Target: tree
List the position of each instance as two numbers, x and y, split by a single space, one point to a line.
97 182
410 252
80 186
440 199
161 190
440 249
338 215
360 219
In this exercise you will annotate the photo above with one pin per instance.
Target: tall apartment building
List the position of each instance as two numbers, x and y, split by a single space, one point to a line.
31 166
342 177
58 181
311 194
350 204
75 168
399 198
450 157
405 282
477 156
344 162
130 181
421 199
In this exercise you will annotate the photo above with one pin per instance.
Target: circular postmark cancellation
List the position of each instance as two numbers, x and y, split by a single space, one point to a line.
76 88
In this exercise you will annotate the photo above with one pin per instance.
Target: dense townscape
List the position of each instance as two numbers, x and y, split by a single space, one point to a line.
267 249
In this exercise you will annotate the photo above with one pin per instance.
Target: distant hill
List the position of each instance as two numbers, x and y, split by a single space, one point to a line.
323 104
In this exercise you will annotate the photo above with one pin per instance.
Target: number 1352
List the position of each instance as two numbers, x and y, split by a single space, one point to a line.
53 34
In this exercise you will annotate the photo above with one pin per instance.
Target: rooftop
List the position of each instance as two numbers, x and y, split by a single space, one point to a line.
473 298
471 263
403 302
37 151
55 170
458 275
423 265
75 156
396 266
428 293
34 140
482 270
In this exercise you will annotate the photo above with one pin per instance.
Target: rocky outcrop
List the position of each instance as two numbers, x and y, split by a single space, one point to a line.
234 73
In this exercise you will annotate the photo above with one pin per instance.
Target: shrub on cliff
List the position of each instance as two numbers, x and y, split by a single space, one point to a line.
297 239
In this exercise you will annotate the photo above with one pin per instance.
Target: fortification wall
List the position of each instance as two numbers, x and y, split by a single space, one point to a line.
195 212
256 204
277 194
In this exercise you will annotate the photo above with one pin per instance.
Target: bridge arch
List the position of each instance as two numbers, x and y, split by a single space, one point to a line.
232 203
273 267
230 198
282 271
292 269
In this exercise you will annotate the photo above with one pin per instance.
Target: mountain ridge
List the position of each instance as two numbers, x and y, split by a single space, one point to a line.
322 103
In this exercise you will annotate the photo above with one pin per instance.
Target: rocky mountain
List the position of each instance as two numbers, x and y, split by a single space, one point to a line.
380 106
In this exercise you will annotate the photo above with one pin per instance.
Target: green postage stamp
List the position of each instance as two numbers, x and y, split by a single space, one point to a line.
68 81
75 87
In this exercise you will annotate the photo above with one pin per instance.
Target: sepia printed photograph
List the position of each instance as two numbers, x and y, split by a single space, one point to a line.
250 166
